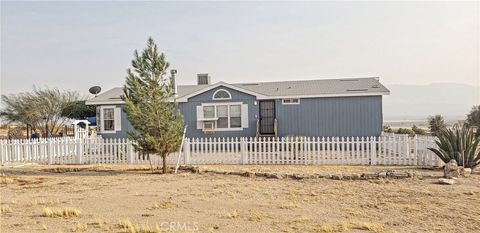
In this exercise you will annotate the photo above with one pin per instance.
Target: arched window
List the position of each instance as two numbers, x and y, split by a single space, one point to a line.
222 94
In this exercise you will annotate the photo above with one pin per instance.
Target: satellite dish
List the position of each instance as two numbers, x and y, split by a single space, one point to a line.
95 90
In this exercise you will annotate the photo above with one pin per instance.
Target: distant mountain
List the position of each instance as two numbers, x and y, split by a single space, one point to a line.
415 102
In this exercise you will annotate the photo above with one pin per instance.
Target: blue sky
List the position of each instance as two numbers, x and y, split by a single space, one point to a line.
76 45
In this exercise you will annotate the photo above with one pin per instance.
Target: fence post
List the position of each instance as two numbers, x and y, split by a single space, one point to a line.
407 150
79 151
50 151
415 150
243 152
373 151
186 151
2 160
130 152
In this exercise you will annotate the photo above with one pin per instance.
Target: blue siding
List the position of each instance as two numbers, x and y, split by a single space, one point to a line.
189 111
336 116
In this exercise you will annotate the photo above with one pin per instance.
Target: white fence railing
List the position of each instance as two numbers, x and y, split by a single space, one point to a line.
388 149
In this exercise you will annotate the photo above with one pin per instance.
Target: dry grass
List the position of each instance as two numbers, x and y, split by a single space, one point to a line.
5 209
99 223
129 227
5 179
79 227
373 227
258 217
288 205
66 212
232 215
163 205
341 227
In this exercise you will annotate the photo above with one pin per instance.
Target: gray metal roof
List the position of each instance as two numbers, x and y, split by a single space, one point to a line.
303 88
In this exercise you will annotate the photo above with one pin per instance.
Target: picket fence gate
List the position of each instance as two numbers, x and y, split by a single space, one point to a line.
387 149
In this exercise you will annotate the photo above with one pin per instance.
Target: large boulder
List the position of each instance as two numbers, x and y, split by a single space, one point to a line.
451 169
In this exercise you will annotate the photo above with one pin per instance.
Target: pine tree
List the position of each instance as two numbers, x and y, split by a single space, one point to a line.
149 105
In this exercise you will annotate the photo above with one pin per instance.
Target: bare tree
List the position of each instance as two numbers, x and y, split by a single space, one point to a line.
40 109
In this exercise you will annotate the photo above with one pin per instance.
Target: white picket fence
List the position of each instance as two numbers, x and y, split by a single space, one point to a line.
388 149
69 150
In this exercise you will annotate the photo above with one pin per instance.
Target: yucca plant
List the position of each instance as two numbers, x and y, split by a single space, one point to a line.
460 144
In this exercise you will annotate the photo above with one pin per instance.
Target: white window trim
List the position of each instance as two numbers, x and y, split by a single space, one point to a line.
229 94
102 126
283 101
228 109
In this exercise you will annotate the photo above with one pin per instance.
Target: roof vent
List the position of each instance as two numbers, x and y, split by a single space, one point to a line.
375 86
203 79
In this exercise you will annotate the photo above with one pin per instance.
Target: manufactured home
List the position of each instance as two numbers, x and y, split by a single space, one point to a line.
314 108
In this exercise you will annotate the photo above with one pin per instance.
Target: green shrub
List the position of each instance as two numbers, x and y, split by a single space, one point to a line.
387 129
418 131
459 144
405 131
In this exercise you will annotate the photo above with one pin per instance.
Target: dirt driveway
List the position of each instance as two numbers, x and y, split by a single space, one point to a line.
123 199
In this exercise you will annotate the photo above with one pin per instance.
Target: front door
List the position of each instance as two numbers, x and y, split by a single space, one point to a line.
267 116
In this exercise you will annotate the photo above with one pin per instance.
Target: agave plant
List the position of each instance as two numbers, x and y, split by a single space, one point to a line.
460 144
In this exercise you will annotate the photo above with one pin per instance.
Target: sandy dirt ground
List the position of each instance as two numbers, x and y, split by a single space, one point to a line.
123 199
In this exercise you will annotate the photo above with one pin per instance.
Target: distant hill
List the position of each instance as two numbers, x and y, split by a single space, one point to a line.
416 102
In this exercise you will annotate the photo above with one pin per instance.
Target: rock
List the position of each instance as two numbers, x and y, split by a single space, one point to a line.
382 174
337 177
236 173
276 176
411 174
356 176
451 169
446 181
195 170
370 176
465 172
298 176
398 174
249 174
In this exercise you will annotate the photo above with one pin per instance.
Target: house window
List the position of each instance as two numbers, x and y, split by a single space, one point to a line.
222 116
290 101
108 119
209 112
222 94
235 116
